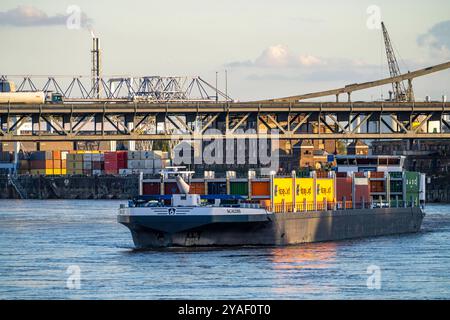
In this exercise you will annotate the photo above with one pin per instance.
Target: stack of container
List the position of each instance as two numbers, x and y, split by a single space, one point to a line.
98 164
74 163
147 162
114 161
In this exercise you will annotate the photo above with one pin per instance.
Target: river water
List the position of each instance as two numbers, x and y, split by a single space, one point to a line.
77 250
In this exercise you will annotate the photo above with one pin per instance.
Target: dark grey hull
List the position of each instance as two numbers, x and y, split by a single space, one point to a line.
272 229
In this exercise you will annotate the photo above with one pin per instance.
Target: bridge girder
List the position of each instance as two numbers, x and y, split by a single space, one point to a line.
84 122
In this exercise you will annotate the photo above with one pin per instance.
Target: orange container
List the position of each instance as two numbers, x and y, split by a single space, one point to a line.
56 155
63 164
56 164
260 188
49 164
197 188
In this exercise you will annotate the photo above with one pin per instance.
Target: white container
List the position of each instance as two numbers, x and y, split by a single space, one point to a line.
64 155
134 155
87 165
148 164
98 157
146 155
136 164
157 164
251 174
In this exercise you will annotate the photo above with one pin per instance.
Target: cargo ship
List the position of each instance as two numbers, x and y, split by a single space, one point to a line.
298 210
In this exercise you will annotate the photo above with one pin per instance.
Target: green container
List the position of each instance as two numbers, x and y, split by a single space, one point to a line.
396 175
397 186
412 181
239 188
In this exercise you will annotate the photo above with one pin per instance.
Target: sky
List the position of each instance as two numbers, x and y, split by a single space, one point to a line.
269 48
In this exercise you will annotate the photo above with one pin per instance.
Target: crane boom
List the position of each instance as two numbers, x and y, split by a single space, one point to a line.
399 88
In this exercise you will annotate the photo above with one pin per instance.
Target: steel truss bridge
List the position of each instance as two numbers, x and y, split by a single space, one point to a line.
172 121
173 108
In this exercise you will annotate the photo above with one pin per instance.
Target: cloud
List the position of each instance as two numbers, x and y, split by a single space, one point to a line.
278 63
279 56
437 40
30 16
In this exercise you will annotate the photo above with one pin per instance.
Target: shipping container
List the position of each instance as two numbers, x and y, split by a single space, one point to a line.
325 190
171 188
148 164
87 165
239 188
56 155
261 188
344 189
37 164
37 156
412 187
197 188
134 155
362 192
377 186
151 188
217 188
304 192
283 191
396 186
57 164
377 175
97 165
396 175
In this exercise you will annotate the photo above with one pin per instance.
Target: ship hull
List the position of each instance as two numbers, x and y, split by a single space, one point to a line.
270 229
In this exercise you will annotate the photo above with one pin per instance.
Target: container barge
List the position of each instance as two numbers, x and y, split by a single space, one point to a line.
295 210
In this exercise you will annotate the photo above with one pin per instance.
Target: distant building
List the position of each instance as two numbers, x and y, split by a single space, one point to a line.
364 163
358 148
427 156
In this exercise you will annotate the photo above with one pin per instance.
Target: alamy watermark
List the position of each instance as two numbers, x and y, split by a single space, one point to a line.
243 147
74 279
374 20
374 279
73 21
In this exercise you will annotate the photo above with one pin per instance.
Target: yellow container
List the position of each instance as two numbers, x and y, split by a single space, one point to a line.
63 171
57 171
49 171
325 190
282 191
304 190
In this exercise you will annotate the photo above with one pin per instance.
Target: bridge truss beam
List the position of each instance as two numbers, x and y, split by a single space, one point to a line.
100 122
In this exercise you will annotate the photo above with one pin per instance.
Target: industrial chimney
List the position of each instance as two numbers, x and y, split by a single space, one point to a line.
96 69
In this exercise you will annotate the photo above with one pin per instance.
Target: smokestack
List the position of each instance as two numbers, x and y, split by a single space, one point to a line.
96 69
